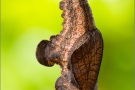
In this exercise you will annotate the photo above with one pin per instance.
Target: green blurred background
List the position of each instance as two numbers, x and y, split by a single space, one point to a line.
26 22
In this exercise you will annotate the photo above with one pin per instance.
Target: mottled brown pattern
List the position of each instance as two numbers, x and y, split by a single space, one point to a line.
77 49
86 68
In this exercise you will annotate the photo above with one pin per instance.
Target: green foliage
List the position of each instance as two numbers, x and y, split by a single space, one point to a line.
26 22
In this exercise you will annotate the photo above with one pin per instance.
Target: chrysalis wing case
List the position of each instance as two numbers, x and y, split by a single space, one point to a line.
78 49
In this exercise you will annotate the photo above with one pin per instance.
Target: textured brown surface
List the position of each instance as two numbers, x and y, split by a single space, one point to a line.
86 61
77 49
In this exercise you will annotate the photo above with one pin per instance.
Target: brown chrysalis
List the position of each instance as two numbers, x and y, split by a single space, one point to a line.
78 49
